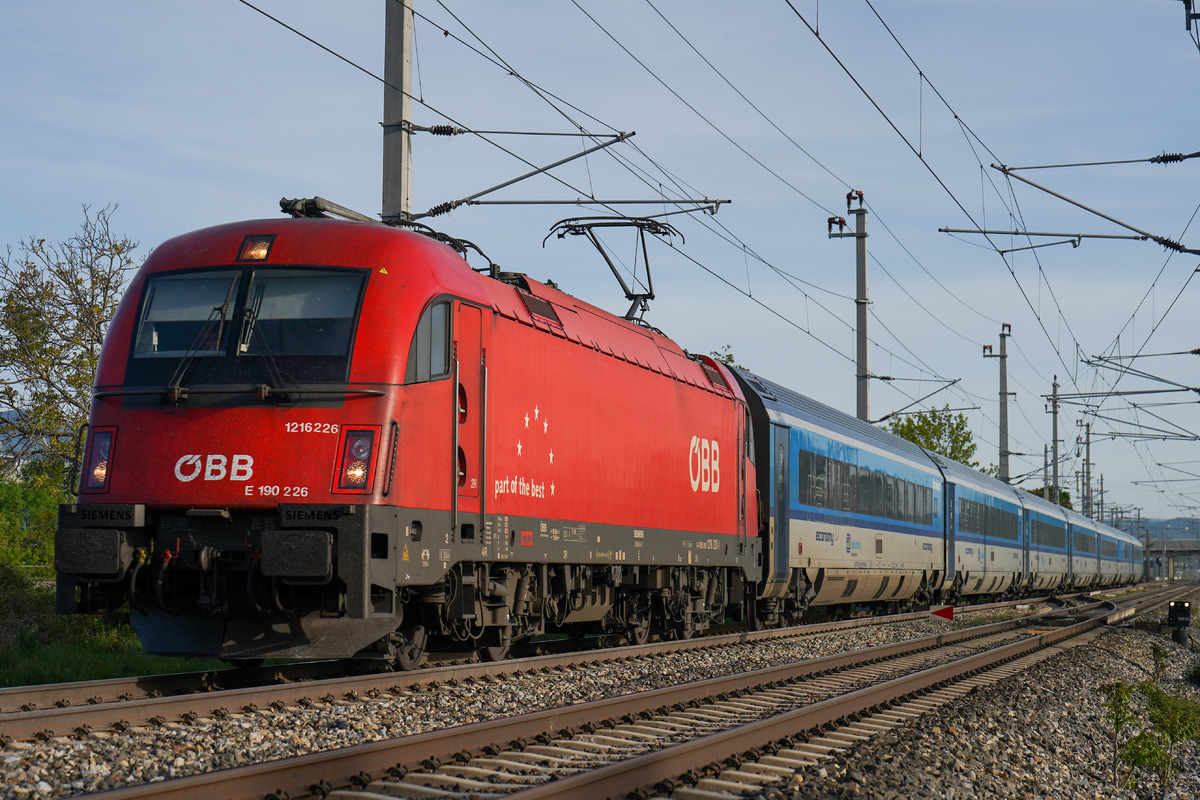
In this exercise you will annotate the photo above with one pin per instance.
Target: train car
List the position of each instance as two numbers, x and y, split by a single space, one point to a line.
1047 560
1120 557
1131 558
1083 538
984 533
854 515
318 438
1110 563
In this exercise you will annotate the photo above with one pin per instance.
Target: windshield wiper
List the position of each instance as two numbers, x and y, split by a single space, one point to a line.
251 317
175 391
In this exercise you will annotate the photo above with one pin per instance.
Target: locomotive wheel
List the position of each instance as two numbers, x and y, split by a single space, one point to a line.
494 653
410 646
638 631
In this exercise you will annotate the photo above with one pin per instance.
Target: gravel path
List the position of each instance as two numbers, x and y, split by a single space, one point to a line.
1014 740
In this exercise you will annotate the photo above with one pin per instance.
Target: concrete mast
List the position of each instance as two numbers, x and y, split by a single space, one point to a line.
861 301
397 111
1005 332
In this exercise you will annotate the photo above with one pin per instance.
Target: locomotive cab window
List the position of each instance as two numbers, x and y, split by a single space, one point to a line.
299 312
429 355
186 314
250 325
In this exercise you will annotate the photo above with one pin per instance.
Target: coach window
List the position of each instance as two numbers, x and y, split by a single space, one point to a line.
804 461
818 485
837 485
864 491
429 355
851 503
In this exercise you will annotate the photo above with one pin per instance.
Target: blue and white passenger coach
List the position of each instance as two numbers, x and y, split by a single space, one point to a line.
860 510
984 532
853 515
1048 563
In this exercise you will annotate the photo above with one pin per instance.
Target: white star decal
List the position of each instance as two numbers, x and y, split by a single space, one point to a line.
535 412
518 447
545 426
552 489
551 456
527 419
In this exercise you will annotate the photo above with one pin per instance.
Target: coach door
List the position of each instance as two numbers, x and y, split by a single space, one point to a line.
778 550
952 565
470 384
1026 529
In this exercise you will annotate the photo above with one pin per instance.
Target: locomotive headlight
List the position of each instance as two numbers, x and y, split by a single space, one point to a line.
356 461
256 247
360 447
356 474
98 460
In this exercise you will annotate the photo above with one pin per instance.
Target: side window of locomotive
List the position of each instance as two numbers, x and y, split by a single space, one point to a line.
429 354
291 312
186 314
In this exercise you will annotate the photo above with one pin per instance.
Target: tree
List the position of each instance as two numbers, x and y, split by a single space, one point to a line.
1064 497
55 303
725 356
940 431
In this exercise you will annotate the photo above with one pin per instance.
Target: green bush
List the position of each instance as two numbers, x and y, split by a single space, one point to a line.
38 646
28 518
1170 721
1193 673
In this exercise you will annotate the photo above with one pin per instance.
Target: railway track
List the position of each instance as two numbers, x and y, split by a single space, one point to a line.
78 708
634 743
78 693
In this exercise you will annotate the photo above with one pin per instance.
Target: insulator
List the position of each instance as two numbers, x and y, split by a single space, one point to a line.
1167 158
442 208
445 130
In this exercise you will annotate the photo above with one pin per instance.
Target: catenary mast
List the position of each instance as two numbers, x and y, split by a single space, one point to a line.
397 111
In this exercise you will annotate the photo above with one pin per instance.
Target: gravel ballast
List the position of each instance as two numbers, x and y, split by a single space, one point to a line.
1040 734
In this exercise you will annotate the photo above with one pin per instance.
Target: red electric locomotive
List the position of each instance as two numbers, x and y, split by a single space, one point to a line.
320 438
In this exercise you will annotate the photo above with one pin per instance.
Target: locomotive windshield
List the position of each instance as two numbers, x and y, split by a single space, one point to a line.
297 312
186 313
273 326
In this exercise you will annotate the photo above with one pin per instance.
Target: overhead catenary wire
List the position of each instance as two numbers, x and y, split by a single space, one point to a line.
749 252
625 49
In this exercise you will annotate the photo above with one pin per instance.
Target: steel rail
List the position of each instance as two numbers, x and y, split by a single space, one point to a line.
301 775
293 776
24 699
153 710
81 719
646 771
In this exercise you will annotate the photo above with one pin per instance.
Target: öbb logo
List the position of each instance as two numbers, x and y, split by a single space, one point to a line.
215 467
703 465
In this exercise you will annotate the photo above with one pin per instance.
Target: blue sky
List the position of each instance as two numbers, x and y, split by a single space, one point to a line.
189 114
